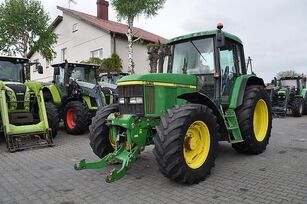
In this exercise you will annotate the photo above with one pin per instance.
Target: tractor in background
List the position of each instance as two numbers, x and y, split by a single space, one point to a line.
26 120
289 94
77 95
206 96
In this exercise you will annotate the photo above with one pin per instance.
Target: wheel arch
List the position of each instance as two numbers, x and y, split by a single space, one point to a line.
200 98
240 85
52 94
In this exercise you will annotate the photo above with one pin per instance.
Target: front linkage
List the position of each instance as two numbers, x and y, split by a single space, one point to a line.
127 146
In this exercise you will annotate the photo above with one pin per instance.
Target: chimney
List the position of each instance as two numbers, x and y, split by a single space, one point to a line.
102 9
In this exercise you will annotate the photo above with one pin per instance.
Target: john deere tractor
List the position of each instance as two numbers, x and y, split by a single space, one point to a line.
289 94
24 114
76 93
206 96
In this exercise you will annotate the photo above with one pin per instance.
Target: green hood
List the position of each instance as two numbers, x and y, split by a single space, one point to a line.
162 78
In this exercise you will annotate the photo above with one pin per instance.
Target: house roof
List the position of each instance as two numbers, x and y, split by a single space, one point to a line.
112 26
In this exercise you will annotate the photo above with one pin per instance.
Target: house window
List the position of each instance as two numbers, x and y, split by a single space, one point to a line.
75 27
35 66
97 53
63 54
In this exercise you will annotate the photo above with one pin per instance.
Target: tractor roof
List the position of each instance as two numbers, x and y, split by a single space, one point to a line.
91 66
292 77
14 59
203 34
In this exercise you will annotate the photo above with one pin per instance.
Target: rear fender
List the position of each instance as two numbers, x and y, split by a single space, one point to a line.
240 85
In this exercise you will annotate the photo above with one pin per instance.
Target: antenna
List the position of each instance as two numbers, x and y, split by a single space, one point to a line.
71 1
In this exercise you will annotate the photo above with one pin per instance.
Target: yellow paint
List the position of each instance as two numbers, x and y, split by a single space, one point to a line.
196 145
125 83
261 120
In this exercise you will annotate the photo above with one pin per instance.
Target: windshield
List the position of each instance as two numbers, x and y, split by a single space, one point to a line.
84 74
289 83
10 71
194 57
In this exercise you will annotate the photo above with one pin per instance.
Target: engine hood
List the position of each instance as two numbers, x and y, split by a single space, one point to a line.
179 79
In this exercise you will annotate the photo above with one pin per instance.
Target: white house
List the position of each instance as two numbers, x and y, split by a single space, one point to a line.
81 36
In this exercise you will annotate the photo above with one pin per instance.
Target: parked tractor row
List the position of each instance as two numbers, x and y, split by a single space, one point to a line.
31 111
206 96
289 93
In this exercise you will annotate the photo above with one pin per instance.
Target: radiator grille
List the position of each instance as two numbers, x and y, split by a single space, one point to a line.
128 92
150 99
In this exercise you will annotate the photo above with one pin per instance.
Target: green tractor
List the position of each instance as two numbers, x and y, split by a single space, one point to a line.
26 120
289 94
206 96
77 95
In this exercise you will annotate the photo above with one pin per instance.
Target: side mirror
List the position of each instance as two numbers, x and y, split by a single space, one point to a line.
40 69
275 81
220 37
56 71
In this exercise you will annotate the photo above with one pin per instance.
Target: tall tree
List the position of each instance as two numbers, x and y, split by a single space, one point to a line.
25 26
130 9
288 73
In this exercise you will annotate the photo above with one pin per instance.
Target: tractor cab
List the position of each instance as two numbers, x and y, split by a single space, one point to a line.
297 83
73 77
216 58
12 69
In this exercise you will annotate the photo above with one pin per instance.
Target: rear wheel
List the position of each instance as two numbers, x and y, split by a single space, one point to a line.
255 121
100 138
297 107
53 118
186 143
76 117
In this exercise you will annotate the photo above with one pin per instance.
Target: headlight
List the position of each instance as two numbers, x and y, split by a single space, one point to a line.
121 100
136 100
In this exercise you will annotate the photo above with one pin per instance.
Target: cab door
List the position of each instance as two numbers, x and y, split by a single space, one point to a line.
231 63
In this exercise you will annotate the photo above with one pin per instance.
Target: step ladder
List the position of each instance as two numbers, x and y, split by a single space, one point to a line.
232 125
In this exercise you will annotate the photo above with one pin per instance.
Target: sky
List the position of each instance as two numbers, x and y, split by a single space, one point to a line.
274 32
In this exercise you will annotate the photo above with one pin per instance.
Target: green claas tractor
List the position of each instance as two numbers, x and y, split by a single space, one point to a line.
206 96
289 94
76 93
24 114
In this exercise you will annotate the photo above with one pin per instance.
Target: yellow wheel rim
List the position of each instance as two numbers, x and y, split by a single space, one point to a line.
112 142
261 120
196 144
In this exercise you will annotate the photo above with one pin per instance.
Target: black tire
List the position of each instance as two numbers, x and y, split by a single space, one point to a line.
171 137
297 106
245 116
99 131
305 106
81 118
53 118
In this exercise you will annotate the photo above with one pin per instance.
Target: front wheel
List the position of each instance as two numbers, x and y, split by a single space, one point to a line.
255 121
53 118
100 139
186 143
76 117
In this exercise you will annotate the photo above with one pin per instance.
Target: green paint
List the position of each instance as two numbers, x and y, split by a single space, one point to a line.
204 34
232 125
304 93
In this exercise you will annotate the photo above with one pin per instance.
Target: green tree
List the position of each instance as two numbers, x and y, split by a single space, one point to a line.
24 27
288 73
130 9
111 64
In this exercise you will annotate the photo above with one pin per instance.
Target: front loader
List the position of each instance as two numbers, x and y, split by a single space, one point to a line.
206 96
26 120
76 93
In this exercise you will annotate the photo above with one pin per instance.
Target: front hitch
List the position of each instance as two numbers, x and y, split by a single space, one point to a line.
121 155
